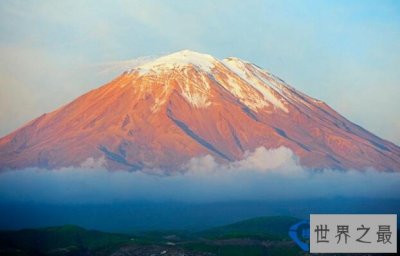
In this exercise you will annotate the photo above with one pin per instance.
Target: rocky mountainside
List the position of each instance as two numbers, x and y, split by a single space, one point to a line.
188 104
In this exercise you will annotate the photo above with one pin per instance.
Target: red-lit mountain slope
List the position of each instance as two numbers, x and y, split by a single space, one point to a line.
187 104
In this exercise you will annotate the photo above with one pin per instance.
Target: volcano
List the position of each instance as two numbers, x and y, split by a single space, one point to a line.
187 104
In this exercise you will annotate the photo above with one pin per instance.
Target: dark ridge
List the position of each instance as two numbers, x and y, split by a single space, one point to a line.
338 165
283 134
334 159
302 146
119 158
237 140
126 121
196 137
249 113
378 145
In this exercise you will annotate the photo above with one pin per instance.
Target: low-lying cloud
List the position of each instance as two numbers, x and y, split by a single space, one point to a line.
262 175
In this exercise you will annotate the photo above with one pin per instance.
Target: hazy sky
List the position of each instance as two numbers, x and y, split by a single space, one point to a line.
346 53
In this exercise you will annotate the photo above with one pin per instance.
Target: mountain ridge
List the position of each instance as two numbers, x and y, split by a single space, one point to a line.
187 104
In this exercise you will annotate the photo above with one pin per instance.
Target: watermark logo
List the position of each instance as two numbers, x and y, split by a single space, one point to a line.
300 234
353 233
346 233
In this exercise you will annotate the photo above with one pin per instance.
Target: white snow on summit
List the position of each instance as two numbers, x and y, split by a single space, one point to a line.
180 59
253 86
244 70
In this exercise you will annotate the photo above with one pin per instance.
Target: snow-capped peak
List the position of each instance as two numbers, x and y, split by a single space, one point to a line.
180 59
242 79
248 73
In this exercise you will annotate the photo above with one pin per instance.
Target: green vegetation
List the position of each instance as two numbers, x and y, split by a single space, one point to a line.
64 240
259 236
263 228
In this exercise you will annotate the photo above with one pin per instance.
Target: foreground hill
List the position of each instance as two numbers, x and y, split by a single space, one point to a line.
258 236
252 237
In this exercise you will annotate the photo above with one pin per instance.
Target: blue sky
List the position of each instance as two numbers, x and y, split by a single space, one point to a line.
346 53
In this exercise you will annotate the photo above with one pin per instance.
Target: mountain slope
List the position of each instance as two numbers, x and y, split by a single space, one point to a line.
187 104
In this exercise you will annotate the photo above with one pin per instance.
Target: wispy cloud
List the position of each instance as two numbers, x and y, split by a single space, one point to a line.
117 67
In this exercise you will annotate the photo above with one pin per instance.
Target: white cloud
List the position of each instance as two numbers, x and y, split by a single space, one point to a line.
261 160
94 163
117 67
262 175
